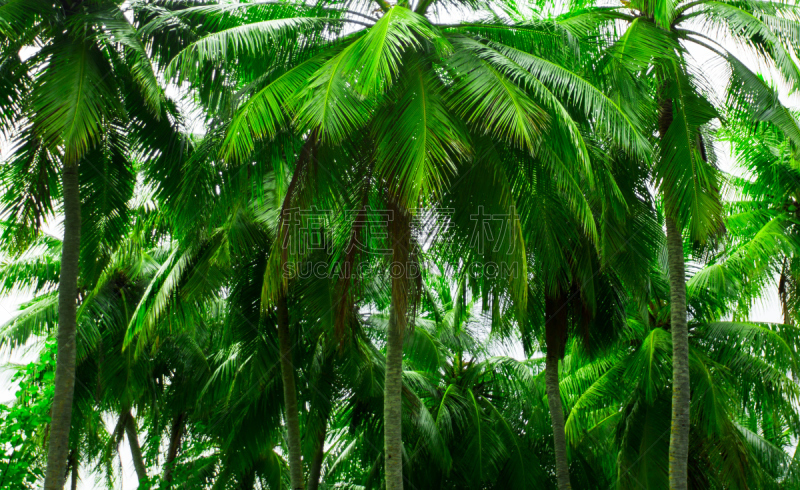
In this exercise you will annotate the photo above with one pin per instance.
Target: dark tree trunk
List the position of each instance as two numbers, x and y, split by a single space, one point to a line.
136 451
556 324
400 232
248 481
783 291
290 397
74 472
61 412
315 470
176 434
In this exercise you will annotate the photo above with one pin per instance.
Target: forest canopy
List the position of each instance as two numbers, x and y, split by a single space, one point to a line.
431 244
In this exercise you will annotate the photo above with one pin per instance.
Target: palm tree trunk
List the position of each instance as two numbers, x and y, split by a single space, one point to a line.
290 397
679 433
679 430
136 451
393 384
392 405
176 433
74 476
556 323
557 416
783 293
316 464
61 412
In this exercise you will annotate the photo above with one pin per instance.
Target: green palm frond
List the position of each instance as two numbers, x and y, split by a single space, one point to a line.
418 140
30 189
753 32
684 170
248 38
566 85
267 111
376 57
117 30
330 105
73 98
494 104
35 270
16 16
36 318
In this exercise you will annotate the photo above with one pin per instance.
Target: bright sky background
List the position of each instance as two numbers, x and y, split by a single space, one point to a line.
767 311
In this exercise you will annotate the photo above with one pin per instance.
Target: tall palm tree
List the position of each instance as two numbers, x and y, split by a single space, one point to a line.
554 235
417 117
741 375
108 380
67 112
214 255
656 40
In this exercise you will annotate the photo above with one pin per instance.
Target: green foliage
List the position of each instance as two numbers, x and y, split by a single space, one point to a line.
548 149
22 422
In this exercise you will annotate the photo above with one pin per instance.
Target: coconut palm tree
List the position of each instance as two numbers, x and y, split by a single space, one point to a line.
553 235
67 116
109 379
762 242
417 93
741 415
684 117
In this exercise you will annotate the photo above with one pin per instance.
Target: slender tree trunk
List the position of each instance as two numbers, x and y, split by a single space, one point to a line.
290 397
136 451
783 291
393 384
176 433
61 412
392 405
679 433
557 415
74 472
556 324
316 464
679 430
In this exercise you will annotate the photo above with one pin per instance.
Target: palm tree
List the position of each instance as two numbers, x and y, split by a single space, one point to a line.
741 375
683 117
67 111
214 255
555 235
109 380
464 432
312 90
762 242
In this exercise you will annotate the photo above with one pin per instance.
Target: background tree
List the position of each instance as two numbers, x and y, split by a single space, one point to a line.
66 111
689 182
397 58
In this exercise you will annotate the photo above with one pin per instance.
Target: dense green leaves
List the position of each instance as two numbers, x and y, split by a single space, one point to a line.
235 158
